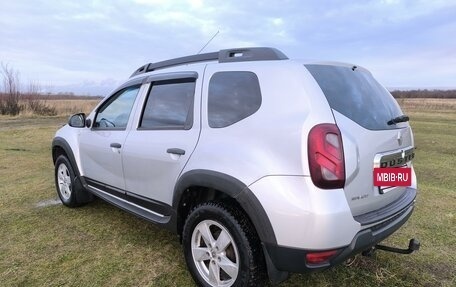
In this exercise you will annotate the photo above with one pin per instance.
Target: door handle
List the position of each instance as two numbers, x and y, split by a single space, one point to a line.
116 145
176 151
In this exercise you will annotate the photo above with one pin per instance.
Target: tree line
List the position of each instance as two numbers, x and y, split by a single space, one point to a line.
435 94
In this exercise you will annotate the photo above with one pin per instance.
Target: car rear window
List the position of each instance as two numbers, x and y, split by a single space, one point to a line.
357 95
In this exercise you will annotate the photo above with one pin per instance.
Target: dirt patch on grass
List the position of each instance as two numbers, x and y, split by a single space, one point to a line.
48 202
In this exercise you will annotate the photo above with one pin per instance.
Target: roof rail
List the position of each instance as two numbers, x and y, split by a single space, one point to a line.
223 56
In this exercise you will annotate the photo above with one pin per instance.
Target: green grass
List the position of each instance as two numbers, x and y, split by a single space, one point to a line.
100 245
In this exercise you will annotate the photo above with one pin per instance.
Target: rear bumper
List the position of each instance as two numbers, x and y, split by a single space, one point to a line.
294 260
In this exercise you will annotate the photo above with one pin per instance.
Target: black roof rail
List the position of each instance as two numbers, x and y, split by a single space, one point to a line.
223 56
250 54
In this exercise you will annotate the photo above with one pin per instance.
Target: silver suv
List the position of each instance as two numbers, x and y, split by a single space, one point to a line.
262 165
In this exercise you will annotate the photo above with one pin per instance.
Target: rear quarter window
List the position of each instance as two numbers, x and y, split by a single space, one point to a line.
233 96
357 95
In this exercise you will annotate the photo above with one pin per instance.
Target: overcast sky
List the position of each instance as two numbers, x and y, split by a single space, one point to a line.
92 46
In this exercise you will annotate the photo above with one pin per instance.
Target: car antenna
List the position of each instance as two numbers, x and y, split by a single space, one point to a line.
208 42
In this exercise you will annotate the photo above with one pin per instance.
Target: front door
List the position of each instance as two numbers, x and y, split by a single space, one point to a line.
101 146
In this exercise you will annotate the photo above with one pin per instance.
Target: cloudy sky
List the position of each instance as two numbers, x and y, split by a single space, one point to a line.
92 46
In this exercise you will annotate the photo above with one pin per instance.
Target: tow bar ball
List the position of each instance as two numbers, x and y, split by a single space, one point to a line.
414 245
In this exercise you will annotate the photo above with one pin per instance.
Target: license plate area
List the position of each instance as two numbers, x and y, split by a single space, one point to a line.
389 163
382 189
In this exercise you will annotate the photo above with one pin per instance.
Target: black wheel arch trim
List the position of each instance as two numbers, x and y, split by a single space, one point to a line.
63 144
79 182
235 189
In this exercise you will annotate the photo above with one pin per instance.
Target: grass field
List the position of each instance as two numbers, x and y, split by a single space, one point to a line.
46 244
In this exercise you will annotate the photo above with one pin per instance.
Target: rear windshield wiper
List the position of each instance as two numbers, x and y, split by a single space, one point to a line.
399 119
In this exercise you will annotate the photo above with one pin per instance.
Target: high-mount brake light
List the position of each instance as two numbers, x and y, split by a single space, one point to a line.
326 156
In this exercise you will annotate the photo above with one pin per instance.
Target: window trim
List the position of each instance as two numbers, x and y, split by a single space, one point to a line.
175 78
170 76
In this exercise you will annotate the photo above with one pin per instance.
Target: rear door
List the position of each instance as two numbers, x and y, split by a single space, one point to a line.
162 139
362 109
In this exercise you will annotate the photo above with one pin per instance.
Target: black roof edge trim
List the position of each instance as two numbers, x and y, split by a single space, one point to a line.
223 56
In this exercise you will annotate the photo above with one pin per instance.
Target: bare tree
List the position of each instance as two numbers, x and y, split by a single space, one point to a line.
13 101
36 102
32 96
10 100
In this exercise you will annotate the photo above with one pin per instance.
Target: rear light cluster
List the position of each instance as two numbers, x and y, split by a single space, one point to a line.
326 156
320 257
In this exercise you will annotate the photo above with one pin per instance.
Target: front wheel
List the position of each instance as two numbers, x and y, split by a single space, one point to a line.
221 247
70 193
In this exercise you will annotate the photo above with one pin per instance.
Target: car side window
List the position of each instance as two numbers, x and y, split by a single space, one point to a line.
233 96
169 105
114 114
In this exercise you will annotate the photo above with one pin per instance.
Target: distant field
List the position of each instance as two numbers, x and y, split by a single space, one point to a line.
46 244
427 105
66 107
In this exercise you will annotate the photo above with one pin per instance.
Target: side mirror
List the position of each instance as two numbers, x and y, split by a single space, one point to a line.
77 120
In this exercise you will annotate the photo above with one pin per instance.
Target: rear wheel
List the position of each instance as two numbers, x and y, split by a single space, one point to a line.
221 247
70 192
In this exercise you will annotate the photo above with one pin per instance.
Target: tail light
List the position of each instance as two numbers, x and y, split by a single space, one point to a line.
326 156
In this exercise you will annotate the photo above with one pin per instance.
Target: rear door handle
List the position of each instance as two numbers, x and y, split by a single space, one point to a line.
176 151
116 145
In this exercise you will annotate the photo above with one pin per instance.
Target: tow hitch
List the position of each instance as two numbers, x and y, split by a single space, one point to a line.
414 245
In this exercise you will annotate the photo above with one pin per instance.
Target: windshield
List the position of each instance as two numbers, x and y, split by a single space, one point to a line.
357 95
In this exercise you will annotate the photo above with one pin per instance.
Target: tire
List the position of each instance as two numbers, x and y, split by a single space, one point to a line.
69 189
221 247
